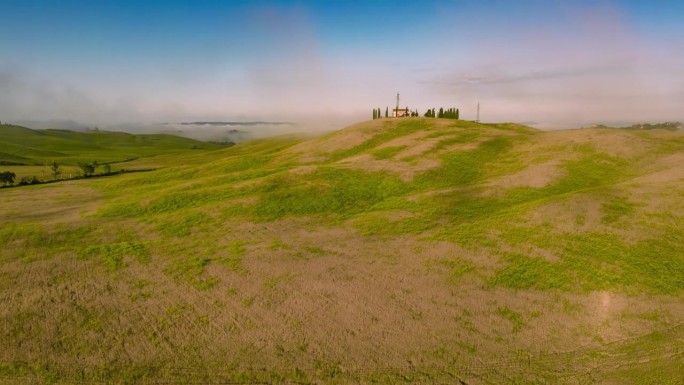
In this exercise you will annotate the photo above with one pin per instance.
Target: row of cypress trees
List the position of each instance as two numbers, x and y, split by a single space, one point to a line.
449 113
377 114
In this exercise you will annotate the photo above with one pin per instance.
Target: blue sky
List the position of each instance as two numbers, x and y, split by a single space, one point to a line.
555 63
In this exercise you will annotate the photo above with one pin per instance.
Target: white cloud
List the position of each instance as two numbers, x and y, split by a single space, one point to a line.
580 65
560 66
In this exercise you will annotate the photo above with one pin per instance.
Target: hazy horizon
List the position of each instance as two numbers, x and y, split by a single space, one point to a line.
550 64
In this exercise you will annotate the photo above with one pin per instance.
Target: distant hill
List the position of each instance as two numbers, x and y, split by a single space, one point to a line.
250 123
669 126
21 145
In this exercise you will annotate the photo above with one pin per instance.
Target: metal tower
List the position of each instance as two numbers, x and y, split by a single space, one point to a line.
396 111
478 112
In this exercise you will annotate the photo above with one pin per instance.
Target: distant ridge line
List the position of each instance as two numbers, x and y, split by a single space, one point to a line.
252 123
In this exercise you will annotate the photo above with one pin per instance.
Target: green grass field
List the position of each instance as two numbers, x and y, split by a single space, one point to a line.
393 251
24 146
29 153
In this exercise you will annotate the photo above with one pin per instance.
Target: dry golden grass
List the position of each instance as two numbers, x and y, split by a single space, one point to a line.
128 280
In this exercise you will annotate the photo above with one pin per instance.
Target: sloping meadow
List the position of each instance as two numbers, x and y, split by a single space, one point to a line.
392 251
622 242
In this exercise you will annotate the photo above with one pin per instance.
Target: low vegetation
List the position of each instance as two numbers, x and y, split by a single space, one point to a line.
395 251
24 146
45 156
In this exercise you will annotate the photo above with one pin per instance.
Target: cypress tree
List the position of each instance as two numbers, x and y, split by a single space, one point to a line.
375 114
456 117
387 112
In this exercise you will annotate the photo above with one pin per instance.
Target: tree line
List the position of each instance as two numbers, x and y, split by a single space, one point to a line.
377 114
88 169
449 113
7 178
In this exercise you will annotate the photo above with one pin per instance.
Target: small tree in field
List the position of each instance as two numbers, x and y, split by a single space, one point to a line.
107 169
87 168
55 170
7 177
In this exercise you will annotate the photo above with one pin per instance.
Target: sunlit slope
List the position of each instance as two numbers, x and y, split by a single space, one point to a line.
21 145
392 251
583 210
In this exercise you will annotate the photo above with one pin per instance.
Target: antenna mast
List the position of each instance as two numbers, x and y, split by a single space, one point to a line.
396 111
478 112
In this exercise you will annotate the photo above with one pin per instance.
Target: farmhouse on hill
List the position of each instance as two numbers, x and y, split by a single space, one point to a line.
401 112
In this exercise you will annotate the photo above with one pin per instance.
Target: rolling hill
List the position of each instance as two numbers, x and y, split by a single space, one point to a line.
408 250
24 146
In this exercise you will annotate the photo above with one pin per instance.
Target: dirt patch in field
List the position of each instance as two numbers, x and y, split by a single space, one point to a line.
417 158
246 184
62 202
317 149
417 144
415 147
577 213
617 143
399 215
459 147
303 170
669 169
428 194
534 176
405 170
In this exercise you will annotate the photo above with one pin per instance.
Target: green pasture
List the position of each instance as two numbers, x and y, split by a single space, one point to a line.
205 218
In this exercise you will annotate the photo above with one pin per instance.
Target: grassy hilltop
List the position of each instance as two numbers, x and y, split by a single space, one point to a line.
392 251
